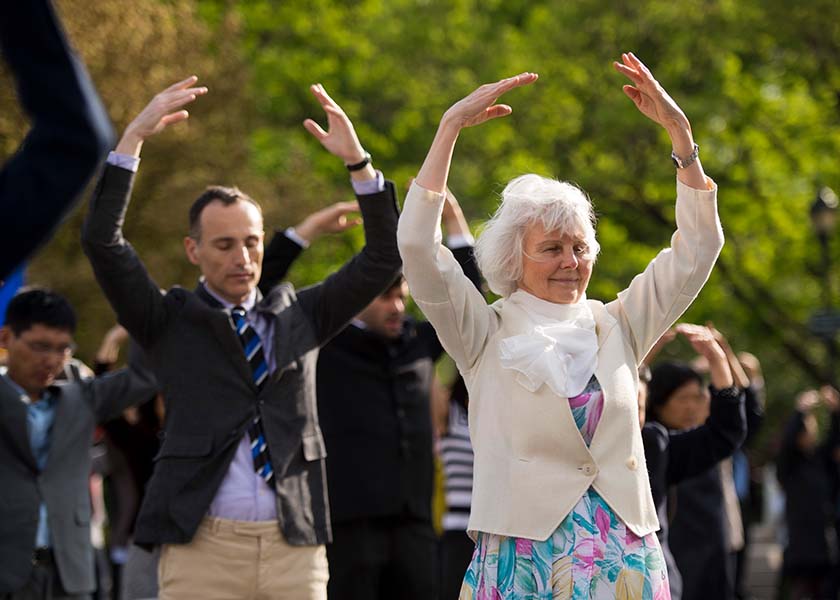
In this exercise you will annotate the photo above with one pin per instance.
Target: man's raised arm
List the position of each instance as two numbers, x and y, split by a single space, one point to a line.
336 300
133 295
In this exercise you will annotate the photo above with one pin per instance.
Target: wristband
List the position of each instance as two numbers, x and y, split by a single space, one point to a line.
361 164
683 163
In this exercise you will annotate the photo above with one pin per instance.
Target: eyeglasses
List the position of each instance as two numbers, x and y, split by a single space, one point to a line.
554 253
43 348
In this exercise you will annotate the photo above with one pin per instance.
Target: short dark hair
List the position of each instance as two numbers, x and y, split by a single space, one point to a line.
38 306
396 282
666 378
213 193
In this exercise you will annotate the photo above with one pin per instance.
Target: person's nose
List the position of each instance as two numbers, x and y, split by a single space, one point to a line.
243 256
397 305
568 260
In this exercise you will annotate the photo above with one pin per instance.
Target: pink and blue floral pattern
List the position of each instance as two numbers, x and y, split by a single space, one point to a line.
591 554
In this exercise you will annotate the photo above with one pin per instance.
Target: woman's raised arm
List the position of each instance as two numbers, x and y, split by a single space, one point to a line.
478 107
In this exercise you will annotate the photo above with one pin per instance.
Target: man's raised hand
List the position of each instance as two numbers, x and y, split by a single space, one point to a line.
340 139
165 109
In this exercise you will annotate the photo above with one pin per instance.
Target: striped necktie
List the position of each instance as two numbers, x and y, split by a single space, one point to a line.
252 345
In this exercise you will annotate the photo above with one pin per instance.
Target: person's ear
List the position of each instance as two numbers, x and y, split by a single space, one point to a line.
5 336
191 249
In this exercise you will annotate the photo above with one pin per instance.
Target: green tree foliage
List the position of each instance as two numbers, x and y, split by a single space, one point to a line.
759 80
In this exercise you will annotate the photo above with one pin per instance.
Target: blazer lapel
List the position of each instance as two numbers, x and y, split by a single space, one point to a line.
222 328
13 423
62 429
285 357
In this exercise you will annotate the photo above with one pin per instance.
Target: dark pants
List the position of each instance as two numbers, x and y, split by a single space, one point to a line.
456 552
44 584
386 557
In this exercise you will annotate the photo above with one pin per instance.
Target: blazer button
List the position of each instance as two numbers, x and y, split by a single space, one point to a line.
588 469
632 463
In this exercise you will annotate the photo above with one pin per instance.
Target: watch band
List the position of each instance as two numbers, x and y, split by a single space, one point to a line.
361 164
682 163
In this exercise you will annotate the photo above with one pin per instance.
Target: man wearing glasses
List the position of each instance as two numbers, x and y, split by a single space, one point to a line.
46 430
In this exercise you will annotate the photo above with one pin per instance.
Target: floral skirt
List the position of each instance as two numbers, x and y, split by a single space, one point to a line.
590 555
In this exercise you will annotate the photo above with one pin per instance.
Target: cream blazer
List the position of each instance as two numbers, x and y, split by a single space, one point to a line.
531 463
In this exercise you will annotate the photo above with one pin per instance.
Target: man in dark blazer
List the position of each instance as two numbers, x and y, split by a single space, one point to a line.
46 430
374 388
70 132
226 530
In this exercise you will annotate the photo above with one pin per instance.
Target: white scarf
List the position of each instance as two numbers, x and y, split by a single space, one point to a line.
560 352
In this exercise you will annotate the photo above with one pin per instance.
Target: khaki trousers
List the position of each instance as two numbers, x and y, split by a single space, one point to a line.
239 560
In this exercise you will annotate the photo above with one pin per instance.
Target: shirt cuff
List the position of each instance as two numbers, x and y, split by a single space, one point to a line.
295 237
370 186
460 240
124 161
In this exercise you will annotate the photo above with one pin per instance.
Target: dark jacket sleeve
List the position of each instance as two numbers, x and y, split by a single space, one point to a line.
279 257
696 450
70 132
754 408
136 299
113 392
332 303
465 255
655 438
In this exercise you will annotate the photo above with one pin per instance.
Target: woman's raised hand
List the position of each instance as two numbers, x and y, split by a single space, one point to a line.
480 105
648 95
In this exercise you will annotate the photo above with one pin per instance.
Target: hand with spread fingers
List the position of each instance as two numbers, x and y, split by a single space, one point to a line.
165 109
654 102
340 138
648 95
332 219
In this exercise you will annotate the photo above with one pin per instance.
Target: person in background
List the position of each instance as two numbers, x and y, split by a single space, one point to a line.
688 430
374 404
70 134
46 429
804 468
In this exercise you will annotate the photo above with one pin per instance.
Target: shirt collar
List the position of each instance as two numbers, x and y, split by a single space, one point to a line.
47 396
248 304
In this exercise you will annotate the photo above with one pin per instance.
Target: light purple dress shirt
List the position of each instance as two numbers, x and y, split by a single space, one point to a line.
243 495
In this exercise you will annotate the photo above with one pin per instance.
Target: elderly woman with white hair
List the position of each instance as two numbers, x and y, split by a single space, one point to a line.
561 504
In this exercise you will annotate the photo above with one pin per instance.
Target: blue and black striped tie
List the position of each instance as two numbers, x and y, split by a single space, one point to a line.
259 371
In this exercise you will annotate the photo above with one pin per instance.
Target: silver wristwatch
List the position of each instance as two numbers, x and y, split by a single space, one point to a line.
682 163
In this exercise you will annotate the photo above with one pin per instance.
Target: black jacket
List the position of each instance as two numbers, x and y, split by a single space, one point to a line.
201 369
70 129
674 456
374 408
807 480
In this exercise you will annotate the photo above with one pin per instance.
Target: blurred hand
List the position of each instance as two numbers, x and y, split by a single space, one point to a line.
340 139
702 340
807 401
480 105
164 110
830 397
648 95
109 349
332 219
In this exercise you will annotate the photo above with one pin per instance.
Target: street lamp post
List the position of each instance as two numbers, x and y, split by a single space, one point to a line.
826 322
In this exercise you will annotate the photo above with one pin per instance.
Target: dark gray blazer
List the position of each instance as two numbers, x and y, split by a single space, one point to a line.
63 484
203 374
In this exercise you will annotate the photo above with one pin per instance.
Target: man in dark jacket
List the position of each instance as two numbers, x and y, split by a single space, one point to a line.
374 385
238 498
